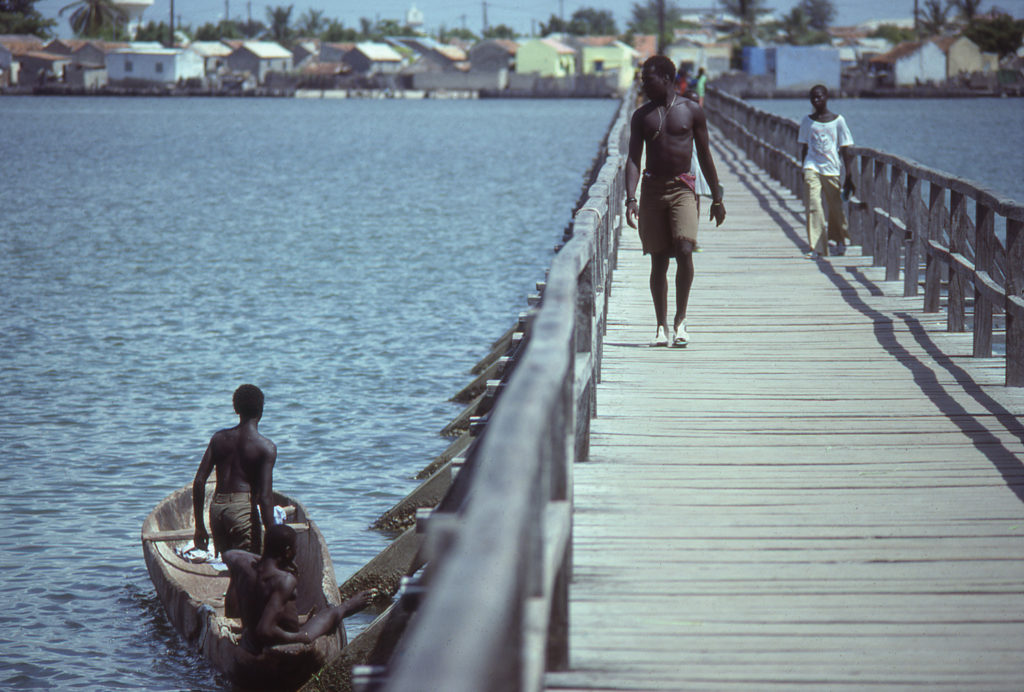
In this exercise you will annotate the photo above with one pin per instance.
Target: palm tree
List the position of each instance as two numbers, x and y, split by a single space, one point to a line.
933 18
658 17
968 8
312 23
280 17
796 25
94 17
747 11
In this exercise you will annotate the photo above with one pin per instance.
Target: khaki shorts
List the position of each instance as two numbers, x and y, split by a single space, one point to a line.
668 216
232 523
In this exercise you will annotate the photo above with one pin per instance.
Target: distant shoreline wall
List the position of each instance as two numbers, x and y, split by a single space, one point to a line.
745 86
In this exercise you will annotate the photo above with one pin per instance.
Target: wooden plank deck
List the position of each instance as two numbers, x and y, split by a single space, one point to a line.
823 491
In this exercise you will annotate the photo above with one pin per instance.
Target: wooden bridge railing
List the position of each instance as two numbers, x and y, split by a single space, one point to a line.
491 605
908 217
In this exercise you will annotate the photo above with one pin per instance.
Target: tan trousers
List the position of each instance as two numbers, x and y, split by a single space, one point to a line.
817 186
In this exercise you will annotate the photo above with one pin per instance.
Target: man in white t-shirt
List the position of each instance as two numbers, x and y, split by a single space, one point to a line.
825 138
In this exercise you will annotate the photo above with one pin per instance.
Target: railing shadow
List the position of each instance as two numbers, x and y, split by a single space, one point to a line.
1004 459
913 221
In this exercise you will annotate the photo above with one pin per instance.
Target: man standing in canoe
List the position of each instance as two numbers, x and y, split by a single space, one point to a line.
266 589
668 127
244 460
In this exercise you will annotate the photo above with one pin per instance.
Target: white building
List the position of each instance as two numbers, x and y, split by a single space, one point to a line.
214 54
913 62
148 62
260 58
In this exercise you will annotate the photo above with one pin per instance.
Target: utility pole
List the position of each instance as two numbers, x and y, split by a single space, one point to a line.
661 27
916 15
227 11
485 16
170 30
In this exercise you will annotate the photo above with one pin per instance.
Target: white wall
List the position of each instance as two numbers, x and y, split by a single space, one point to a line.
926 64
164 67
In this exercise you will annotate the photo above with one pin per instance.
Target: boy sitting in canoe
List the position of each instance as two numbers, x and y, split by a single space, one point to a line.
266 590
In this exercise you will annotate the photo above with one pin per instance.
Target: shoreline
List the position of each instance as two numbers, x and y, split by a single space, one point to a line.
465 94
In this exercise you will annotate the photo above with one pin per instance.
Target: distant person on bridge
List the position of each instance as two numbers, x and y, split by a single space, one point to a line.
825 138
267 588
244 460
701 86
665 130
701 186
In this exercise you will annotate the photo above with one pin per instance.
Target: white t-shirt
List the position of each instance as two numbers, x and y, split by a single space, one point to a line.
823 141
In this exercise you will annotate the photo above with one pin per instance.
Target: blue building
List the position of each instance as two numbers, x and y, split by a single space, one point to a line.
794 68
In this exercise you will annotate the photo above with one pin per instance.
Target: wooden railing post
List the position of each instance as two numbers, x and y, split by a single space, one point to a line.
894 235
1014 304
880 194
984 261
915 217
934 266
957 291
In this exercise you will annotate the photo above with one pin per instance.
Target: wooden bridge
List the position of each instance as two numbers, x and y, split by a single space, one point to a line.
825 490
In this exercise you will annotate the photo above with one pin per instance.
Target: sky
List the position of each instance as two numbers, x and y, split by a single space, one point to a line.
522 15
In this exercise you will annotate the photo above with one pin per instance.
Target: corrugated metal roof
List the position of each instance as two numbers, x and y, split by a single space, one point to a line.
209 49
378 52
147 48
453 53
558 46
267 50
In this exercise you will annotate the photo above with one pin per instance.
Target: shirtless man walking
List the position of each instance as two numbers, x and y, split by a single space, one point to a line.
266 590
668 126
244 460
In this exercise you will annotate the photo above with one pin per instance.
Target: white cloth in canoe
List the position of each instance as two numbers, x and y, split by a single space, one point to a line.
190 553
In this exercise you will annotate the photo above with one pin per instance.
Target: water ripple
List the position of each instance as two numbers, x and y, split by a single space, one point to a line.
356 285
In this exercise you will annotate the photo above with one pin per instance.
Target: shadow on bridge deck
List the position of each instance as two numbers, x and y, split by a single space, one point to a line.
824 490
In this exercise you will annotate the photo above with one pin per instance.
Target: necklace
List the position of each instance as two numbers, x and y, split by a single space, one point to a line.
662 114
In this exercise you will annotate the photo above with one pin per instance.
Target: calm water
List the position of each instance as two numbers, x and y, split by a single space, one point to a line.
979 139
352 258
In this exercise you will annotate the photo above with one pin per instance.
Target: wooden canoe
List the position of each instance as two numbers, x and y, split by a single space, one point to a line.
193 596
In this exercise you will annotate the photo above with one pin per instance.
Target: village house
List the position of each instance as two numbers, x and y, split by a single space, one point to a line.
696 52
151 63
83 52
645 45
373 59
323 75
305 52
430 55
12 46
606 56
964 57
214 54
794 68
545 57
88 68
334 52
493 55
38 67
260 58
909 63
